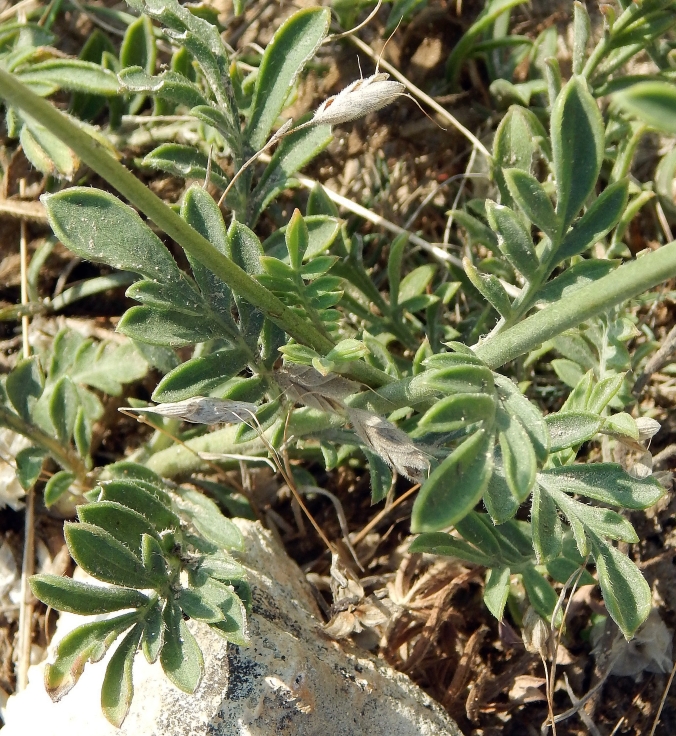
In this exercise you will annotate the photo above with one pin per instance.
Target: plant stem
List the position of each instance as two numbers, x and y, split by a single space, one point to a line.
63 455
97 158
626 282
604 45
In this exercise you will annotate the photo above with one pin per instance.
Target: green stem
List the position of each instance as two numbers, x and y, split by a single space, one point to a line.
605 44
97 158
626 282
63 455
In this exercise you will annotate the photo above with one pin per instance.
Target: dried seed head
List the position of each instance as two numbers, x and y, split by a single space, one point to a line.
647 428
304 384
535 633
201 410
390 443
643 467
358 99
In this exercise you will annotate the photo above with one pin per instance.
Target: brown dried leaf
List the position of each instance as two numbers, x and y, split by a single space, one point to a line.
390 443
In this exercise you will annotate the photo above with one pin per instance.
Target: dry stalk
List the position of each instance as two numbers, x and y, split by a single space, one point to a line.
28 563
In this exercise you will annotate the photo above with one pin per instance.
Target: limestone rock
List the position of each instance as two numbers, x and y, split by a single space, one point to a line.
292 680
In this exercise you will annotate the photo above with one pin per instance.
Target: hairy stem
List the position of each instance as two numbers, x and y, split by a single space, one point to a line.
626 282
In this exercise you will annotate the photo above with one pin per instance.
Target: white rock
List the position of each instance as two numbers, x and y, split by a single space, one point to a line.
292 680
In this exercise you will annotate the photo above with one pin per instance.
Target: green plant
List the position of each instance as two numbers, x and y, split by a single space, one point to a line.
561 185
138 535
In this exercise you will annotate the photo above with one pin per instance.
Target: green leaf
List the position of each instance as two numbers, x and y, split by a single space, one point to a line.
562 568
531 197
152 556
569 429
604 392
518 455
488 16
455 486
198 606
153 633
497 590
394 264
653 102
222 567
568 371
29 465
46 152
625 591
581 34
126 525
546 526
440 543
319 203
621 425
530 417
73 596
117 689
498 497
477 230
297 239
163 296
295 150
514 145
604 522
491 289
480 535
57 485
186 162
24 386
459 410
86 106
106 367
322 231
573 278
596 222
181 657
138 49
605 482
514 241
168 327
63 407
167 86
199 376
234 627
415 282
292 46
245 249
380 476
208 520
73 74
578 141
541 595
88 642
101 555
96 226
470 379
140 497
202 213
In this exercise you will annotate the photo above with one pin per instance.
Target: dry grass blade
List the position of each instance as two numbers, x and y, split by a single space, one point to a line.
462 673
